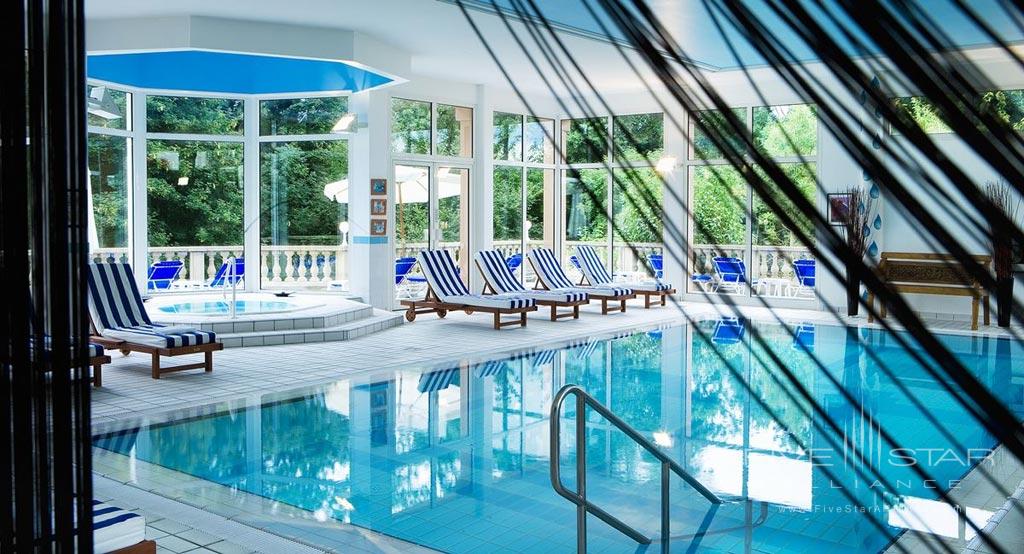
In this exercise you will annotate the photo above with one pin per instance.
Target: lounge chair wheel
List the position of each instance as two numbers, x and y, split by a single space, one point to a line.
442 313
410 315
125 351
469 312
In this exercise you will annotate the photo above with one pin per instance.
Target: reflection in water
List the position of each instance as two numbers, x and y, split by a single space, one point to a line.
423 454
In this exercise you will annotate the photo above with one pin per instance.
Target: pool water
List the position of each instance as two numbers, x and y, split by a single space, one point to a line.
223 307
456 458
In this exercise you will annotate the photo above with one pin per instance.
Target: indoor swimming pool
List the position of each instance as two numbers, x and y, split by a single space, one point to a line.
455 457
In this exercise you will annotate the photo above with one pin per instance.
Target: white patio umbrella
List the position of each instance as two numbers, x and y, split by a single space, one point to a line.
412 186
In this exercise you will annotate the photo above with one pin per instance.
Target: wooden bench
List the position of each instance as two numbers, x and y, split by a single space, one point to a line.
924 273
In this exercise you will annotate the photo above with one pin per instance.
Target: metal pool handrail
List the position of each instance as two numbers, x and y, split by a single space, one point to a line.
579 497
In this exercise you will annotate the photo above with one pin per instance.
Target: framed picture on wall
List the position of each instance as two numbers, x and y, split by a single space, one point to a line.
838 208
378 227
378 187
379 206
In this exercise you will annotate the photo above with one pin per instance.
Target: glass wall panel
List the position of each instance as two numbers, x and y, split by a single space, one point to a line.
718 200
775 247
410 126
187 114
108 107
454 131
585 213
786 130
303 213
540 213
539 133
508 137
702 147
301 116
638 137
637 236
194 191
584 140
453 214
508 210
108 179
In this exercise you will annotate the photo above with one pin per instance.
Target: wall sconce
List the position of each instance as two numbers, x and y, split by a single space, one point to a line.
666 164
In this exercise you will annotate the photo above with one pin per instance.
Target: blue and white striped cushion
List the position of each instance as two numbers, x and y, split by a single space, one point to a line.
438 380
95 350
567 295
442 274
590 264
114 528
549 270
510 301
612 291
117 311
655 286
495 270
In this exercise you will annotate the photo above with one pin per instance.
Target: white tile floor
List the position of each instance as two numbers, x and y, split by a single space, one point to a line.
129 394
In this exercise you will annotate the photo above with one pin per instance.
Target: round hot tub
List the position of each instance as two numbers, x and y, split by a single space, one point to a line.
223 307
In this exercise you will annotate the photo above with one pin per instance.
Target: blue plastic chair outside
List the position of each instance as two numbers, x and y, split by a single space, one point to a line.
222 279
805 270
163 273
732 273
657 264
513 262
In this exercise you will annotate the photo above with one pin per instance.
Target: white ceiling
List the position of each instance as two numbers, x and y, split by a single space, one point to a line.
441 43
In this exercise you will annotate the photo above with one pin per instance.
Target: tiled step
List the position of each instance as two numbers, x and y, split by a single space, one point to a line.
371 322
321 317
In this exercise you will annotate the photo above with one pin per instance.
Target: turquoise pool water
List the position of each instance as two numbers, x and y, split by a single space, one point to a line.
223 307
456 457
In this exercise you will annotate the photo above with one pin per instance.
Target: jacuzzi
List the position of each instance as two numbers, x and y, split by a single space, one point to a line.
223 307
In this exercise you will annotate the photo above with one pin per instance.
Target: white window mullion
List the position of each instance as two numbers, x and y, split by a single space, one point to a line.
138 238
251 194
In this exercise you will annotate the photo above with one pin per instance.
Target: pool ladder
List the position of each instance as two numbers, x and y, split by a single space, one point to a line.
579 496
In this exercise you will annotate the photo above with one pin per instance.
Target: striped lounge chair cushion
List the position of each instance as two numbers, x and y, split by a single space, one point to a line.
495 271
114 528
117 311
548 269
95 350
562 295
442 274
596 273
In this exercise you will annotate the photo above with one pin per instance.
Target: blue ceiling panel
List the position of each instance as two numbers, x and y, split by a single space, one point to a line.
205 71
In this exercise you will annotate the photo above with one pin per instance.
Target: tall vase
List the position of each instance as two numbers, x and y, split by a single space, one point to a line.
1004 300
852 294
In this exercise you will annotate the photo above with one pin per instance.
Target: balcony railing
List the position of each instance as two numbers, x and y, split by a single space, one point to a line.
767 261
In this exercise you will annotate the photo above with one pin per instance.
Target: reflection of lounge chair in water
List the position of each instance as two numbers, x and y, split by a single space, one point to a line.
728 330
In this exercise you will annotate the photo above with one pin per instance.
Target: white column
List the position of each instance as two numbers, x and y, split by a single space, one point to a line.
138 240
675 200
251 194
481 199
371 262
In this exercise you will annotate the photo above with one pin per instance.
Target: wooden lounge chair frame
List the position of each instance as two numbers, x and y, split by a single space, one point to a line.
592 293
97 369
928 273
157 351
144 547
431 303
647 294
554 304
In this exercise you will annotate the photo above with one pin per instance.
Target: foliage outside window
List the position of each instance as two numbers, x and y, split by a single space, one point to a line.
449 206
584 140
637 212
585 210
194 193
108 177
536 179
301 116
410 126
508 203
538 140
98 116
638 137
781 131
1005 105
194 115
702 147
508 137
411 218
768 229
718 205
454 131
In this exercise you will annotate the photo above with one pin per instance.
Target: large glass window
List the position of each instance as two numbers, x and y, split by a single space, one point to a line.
539 133
1005 105
412 209
193 115
638 137
410 126
702 147
540 207
508 209
194 191
637 237
584 140
586 220
109 180
454 131
301 116
781 131
108 107
508 137
304 213
718 199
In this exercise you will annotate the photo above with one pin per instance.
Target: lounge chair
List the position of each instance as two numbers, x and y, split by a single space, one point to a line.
732 274
728 330
120 319
804 270
225 277
118 531
657 262
97 358
513 262
163 273
551 276
403 286
446 292
595 273
499 279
